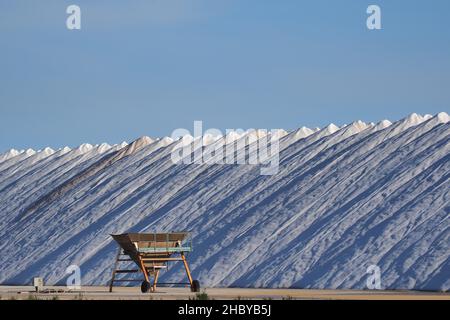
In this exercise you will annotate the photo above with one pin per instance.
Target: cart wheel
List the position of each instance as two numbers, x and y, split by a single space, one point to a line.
145 286
195 287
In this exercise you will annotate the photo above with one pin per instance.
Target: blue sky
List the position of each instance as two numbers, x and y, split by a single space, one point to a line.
147 67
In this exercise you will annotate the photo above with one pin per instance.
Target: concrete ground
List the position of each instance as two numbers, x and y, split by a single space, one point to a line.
133 293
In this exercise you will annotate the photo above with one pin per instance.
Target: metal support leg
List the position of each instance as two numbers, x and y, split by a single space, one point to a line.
115 270
155 280
188 272
144 271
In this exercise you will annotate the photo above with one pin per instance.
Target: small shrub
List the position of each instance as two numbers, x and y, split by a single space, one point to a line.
201 296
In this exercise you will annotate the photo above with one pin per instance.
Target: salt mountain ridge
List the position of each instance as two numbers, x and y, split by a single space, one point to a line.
344 198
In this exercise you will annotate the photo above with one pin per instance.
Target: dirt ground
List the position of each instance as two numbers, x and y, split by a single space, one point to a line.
133 293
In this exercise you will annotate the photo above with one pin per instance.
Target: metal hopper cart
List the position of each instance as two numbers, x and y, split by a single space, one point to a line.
151 252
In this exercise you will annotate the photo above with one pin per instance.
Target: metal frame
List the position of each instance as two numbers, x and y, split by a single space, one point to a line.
152 252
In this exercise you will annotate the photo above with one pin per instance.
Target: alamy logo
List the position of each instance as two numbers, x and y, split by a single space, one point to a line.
74 280
373 281
250 147
374 20
73 21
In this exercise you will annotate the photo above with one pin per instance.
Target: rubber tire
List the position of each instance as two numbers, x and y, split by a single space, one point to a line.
145 286
195 287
